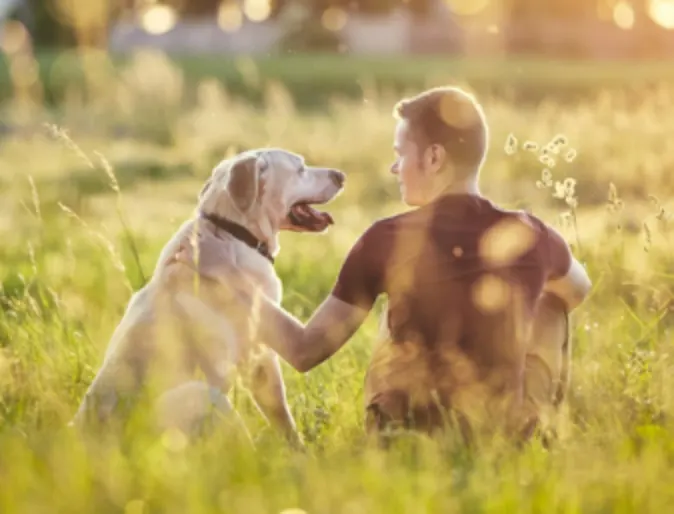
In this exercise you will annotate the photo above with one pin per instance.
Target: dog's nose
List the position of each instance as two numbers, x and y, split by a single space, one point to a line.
337 177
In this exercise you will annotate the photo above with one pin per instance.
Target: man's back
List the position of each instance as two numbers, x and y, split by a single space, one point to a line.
462 277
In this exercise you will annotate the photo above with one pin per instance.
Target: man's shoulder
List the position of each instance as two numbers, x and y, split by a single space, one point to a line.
386 224
376 240
523 215
546 233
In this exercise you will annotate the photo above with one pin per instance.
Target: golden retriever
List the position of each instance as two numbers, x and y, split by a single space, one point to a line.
178 325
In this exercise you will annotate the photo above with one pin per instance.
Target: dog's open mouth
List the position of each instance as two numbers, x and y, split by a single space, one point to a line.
302 217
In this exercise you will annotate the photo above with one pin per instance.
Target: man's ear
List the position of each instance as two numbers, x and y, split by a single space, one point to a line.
244 181
437 156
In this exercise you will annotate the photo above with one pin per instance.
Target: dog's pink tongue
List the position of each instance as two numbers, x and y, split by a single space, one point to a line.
307 211
327 218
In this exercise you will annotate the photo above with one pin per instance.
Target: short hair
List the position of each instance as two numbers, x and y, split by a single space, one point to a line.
452 118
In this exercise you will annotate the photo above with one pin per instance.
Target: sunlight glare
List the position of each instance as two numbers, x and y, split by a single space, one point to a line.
159 19
662 13
490 294
257 10
230 17
505 242
334 19
81 15
13 37
466 7
623 15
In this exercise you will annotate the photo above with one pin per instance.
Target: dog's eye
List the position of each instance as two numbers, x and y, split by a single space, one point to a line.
301 171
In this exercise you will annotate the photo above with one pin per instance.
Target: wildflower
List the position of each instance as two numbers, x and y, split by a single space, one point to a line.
511 145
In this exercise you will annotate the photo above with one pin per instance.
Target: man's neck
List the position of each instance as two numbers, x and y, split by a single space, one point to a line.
457 188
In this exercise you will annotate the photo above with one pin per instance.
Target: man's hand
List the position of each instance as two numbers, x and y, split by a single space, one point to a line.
303 347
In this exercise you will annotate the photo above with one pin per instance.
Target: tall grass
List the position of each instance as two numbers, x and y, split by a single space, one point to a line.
86 207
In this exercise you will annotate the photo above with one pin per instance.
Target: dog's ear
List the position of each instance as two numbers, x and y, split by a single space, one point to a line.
244 181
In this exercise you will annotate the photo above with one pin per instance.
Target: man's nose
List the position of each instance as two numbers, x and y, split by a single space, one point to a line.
394 168
337 177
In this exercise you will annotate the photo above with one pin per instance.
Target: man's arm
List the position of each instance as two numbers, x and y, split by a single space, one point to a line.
328 329
567 278
306 346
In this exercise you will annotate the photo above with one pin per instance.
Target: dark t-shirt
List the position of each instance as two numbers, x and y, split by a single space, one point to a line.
462 277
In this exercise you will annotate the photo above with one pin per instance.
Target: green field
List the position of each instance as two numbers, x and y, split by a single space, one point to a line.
73 250
312 79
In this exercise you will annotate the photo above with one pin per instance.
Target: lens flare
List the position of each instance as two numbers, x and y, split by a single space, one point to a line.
623 15
158 19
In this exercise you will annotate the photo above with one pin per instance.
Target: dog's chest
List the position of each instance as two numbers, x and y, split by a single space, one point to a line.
268 283
272 288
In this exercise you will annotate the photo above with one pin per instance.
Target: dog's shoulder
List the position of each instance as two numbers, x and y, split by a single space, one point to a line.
171 247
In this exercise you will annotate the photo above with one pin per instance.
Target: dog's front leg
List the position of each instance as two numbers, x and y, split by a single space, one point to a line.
98 405
194 405
94 409
268 390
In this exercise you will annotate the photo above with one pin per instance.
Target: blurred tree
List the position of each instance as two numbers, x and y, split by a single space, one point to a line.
205 8
419 7
59 23
377 6
209 8
47 29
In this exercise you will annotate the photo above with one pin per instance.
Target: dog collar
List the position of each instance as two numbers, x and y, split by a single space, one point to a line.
241 233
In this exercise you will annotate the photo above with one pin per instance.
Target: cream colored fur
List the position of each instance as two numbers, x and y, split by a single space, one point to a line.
178 325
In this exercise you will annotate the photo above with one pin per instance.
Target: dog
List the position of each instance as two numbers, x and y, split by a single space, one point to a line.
177 325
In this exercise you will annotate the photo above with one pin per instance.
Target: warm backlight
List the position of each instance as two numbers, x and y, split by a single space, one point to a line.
662 13
623 15
158 19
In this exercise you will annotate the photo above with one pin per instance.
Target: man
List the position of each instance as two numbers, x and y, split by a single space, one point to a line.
472 290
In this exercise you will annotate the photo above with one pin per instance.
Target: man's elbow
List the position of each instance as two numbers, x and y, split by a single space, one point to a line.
572 293
579 293
585 288
306 361
302 363
581 289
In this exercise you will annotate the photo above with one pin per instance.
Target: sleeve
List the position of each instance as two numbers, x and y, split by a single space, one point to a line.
557 253
359 282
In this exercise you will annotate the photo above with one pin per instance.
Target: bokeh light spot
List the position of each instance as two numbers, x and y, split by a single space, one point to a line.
623 15
459 110
662 13
467 7
334 18
257 10
490 294
13 37
506 241
158 19
230 16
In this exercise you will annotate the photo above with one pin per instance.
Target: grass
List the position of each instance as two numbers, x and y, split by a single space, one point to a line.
73 250
312 79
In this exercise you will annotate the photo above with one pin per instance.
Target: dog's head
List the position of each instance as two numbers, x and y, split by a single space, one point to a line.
270 190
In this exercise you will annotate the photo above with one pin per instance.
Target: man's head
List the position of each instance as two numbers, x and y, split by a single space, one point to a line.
440 142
